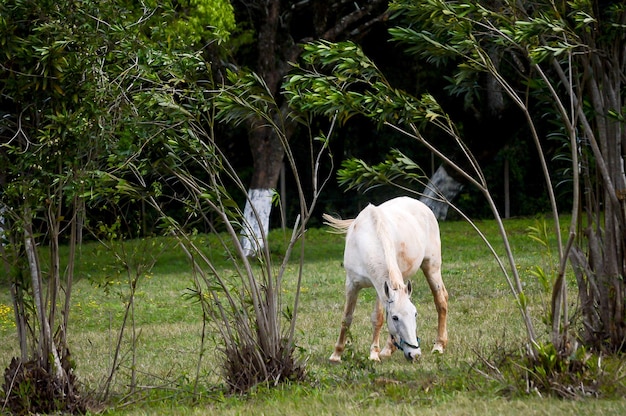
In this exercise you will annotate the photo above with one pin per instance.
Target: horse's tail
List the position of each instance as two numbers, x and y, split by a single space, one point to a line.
337 224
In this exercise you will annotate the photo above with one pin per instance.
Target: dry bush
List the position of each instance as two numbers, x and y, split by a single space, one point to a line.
29 389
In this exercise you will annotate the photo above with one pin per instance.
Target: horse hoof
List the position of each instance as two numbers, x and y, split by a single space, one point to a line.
386 353
438 348
335 359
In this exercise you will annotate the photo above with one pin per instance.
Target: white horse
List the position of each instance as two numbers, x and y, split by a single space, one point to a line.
386 244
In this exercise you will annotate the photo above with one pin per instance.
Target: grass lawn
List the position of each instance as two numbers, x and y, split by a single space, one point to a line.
483 323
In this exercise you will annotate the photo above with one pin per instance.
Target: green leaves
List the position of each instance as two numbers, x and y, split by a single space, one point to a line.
356 174
339 79
246 98
200 21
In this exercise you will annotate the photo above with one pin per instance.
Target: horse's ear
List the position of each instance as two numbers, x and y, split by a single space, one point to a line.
409 287
387 290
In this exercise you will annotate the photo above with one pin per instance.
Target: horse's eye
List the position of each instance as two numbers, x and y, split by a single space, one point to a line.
395 317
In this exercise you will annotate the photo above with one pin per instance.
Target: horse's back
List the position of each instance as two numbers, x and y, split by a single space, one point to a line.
408 215
410 228
406 205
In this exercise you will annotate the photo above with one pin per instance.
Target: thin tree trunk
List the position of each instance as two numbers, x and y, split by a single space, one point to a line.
46 348
15 290
54 278
73 243
605 88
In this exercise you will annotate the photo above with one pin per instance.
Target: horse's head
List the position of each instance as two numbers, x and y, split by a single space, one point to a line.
401 320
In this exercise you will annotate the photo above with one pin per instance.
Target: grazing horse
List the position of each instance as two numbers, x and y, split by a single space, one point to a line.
386 244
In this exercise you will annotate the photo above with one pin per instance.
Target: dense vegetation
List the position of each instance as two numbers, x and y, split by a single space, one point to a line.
129 121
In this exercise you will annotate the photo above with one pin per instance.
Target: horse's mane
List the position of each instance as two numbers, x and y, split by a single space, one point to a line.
382 231
337 224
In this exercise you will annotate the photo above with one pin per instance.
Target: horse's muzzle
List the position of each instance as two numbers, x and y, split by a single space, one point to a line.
411 354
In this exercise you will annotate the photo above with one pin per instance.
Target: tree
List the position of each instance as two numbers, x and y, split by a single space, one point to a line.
571 57
572 53
477 102
47 148
63 66
280 29
175 162
144 111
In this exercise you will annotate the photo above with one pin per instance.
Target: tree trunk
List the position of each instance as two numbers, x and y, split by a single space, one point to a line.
47 353
266 147
267 155
600 264
276 51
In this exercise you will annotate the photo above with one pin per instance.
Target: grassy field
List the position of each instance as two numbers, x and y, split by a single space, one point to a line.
483 323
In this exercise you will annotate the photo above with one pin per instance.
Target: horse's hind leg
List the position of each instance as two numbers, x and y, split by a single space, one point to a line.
348 311
432 270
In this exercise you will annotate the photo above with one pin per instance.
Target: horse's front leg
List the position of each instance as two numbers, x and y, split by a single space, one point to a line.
377 323
348 311
389 349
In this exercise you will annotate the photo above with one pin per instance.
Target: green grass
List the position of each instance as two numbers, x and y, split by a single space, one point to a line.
483 321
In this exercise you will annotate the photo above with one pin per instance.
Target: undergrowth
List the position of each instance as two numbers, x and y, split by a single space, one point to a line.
583 375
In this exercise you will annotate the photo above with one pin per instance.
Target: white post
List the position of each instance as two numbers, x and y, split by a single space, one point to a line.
441 188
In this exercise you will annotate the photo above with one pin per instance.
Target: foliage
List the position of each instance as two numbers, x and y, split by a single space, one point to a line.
354 86
199 21
397 168
244 306
29 387
303 94
150 142
581 375
70 74
549 47
546 271
46 151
